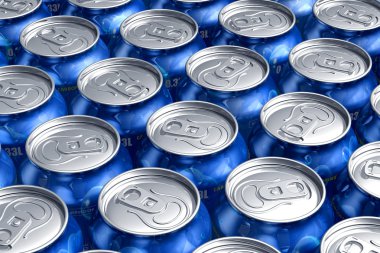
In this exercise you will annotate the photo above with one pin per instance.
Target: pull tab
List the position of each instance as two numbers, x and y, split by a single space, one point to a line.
80 144
185 128
284 190
232 67
165 32
15 6
58 36
340 64
125 85
241 23
12 91
356 15
372 169
354 245
141 199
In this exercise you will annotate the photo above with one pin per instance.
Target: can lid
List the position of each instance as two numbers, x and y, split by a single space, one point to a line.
227 68
350 15
23 88
99 4
149 201
305 119
375 100
235 244
73 144
120 81
17 8
159 29
360 234
192 128
364 168
257 18
330 60
59 36
32 218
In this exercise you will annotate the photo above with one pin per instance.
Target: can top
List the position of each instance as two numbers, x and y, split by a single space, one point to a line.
235 244
192 128
59 36
375 100
32 218
274 189
10 9
330 60
305 119
360 234
120 81
149 201
257 18
350 15
99 4
72 144
364 168
23 88
159 29
227 68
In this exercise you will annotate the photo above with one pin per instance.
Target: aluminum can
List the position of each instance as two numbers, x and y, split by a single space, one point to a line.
107 15
99 251
54 6
279 201
264 26
166 38
360 234
75 156
27 99
307 127
151 210
7 170
125 92
15 15
3 60
334 68
204 12
235 244
233 77
62 46
34 219
357 21
200 140
356 188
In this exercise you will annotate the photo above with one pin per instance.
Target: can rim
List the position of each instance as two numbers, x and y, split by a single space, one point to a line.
122 61
283 7
308 171
157 172
102 8
374 99
253 54
36 24
39 3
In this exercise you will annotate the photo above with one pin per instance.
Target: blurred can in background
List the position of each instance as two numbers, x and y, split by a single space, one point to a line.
54 6
15 15
75 156
125 92
3 60
234 77
276 200
264 26
165 38
200 140
62 46
7 169
151 210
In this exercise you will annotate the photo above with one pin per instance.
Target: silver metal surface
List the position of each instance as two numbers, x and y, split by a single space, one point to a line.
23 88
192 128
120 81
274 189
59 36
305 119
159 29
375 100
149 201
99 4
73 144
10 9
227 68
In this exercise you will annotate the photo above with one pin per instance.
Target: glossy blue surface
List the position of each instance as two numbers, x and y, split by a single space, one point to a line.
206 14
302 9
10 30
54 6
80 191
107 20
244 105
15 129
184 240
208 172
275 49
7 170
130 121
368 124
295 237
3 59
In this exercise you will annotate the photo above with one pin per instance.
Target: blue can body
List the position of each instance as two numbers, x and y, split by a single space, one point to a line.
3 60
54 6
184 240
206 13
7 170
108 20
